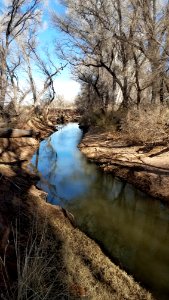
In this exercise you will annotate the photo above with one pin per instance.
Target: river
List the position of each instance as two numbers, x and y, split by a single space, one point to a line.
131 227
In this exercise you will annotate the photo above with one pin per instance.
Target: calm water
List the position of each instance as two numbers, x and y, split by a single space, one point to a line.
132 228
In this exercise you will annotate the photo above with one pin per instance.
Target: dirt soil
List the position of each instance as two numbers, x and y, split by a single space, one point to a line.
146 167
42 253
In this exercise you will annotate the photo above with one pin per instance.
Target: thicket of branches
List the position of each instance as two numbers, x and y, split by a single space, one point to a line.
20 58
118 50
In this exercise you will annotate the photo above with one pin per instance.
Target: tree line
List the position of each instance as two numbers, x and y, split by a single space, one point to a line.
118 50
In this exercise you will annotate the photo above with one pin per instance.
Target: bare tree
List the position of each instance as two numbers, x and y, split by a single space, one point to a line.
97 41
125 42
46 67
17 17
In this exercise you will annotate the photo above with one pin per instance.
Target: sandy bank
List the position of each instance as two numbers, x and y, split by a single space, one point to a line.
146 167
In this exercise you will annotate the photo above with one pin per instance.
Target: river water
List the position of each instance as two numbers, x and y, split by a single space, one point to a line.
131 228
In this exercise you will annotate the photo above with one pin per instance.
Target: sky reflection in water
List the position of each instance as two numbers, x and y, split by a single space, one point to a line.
132 228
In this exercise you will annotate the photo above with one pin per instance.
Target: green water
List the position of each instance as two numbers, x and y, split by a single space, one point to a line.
132 228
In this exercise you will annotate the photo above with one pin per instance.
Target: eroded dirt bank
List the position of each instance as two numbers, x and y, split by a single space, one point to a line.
43 254
146 167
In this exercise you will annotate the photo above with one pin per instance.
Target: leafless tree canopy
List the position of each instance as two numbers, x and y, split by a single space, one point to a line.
118 50
20 58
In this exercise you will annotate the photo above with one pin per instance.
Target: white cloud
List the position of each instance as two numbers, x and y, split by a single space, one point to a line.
67 88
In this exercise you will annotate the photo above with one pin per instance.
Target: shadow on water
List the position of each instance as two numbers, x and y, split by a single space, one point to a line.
132 228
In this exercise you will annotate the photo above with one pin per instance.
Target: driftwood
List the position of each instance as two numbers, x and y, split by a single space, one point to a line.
140 167
160 152
150 146
15 133
135 166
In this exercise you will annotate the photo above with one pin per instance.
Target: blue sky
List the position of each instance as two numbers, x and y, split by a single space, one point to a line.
64 84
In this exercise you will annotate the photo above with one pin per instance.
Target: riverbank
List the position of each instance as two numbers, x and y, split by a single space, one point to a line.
43 254
144 166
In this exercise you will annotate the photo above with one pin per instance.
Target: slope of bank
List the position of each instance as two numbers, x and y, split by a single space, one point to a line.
146 167
43 254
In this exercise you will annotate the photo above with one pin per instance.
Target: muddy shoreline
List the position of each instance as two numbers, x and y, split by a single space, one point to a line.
145 168
81 268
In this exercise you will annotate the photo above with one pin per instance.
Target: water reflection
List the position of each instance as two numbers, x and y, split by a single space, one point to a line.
131 227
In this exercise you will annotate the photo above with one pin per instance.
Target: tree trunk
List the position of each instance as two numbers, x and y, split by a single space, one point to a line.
125 93
3 81
162 91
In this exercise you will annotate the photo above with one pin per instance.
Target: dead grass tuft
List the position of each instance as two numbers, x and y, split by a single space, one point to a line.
146 124
38 275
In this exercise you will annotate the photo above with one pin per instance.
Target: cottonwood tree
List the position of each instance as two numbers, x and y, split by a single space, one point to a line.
148 38
93 28
16 17
43 93
126 40
100 85
22 59
151 35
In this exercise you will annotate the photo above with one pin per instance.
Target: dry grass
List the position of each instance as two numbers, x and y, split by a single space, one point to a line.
146 124
33 269
54 260
34 264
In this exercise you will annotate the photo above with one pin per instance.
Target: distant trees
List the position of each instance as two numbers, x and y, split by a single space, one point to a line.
118 50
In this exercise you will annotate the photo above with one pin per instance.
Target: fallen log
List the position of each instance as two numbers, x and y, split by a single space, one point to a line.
150 146
159 153
109 145
135 166
140 167
15 133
